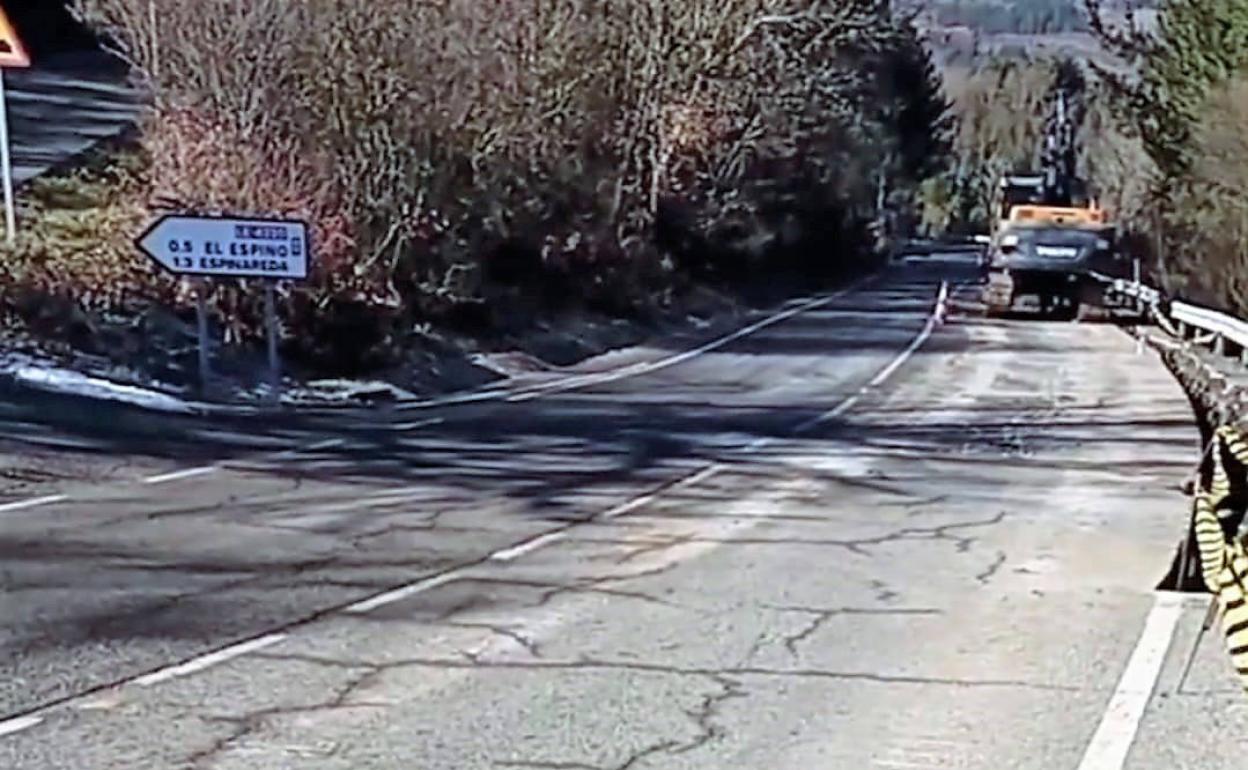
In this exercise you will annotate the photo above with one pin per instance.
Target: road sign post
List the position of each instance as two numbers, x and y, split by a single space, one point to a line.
270 250
12 54
201 332
1137 306
270 324
6 168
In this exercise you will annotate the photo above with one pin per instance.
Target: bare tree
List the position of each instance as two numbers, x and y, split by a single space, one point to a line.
420 135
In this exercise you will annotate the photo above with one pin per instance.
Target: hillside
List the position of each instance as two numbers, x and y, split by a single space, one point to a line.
964 33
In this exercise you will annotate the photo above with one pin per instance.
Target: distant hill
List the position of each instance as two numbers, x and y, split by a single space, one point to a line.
992 17
962 33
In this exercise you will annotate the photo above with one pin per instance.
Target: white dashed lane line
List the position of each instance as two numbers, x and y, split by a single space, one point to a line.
11 726
403 592
647 367
403 427
211 659
34 502
184 474
528 546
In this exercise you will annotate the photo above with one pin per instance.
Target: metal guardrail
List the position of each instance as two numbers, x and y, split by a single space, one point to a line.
1183 319
1221 325
1139 291
1213 544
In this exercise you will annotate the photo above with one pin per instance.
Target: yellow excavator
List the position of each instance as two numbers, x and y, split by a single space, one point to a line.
1049 235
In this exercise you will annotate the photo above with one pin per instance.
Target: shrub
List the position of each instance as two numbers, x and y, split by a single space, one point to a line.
68 262
1213 205
458 153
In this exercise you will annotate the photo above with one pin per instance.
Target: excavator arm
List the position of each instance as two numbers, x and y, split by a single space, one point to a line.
1049 234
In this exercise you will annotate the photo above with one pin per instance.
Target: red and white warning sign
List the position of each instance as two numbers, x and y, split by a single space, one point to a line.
12 52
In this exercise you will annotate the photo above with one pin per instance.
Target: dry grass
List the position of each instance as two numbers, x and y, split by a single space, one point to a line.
68 254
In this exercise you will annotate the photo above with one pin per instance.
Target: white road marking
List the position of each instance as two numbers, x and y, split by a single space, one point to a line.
389 597
942 742
571 383
1116 732
33 502
528 546
927 756
630 505
177 475
209 660
647 367
204 470
699 476
532 544
284 454
833 413
759 443
540 541
368 605
463 398
642 500
10 726
884 373
905 355
406 426
328 443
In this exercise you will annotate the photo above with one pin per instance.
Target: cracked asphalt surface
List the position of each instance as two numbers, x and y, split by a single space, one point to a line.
952 573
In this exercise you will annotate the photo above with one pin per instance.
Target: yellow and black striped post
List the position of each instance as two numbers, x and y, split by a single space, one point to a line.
1223 561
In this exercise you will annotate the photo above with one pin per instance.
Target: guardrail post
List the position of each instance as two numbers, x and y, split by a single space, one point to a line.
1219 344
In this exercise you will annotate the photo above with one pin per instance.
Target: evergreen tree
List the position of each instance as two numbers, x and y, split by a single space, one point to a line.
921 123
905 120
1200 44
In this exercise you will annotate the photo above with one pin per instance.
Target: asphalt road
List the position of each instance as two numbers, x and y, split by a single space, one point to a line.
837 542
62 106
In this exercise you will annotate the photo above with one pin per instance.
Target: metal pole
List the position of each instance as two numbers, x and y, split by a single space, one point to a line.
270 322
155 40
1135 276
1138 305
1211 615
1159 243
201 312
6 166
